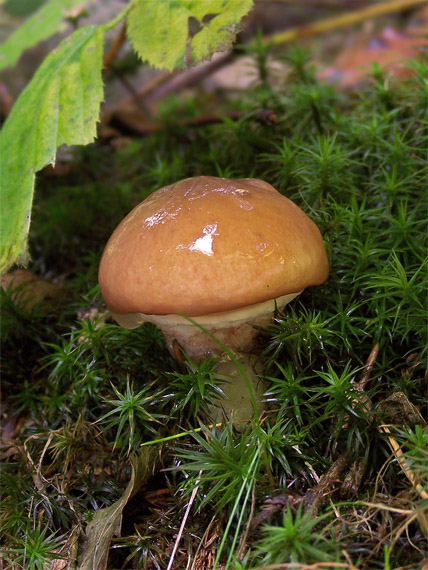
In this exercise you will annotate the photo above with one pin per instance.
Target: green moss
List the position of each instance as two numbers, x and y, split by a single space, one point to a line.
89 392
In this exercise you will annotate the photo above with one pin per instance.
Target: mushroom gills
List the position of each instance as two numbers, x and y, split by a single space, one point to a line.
236 329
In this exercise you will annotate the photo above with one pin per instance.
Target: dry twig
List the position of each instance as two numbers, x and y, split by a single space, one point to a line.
183 523
401 459
342 21
111 54
317 495
144 129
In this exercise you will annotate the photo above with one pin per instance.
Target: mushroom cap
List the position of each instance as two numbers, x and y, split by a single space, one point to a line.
206 245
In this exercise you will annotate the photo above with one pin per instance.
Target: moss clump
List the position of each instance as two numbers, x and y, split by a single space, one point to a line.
82 394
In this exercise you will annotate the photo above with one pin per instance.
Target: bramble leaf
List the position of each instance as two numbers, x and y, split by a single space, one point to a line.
158 30
219 32
46 22
60 105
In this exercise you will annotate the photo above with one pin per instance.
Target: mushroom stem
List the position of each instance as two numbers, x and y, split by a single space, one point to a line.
243 387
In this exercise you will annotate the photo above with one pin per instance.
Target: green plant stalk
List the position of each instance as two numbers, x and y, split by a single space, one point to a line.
113 23
245 484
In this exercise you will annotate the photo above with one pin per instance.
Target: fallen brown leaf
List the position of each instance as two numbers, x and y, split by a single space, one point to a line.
392 50
106 522
28 289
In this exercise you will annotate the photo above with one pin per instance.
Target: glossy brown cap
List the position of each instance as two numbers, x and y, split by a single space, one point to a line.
207 245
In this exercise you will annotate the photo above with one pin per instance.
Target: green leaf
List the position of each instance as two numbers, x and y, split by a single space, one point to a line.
219 32
158 32
20 8
48 20
60 105
159 29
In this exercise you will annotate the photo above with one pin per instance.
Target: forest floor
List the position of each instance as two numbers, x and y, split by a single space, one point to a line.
107 444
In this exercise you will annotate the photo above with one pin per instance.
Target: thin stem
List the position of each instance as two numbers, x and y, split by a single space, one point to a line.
111 55
247 483
183 523
119 17
347 19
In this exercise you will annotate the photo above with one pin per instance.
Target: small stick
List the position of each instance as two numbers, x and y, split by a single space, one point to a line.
182 79
242 543
37 476
183 523
269 473
204 543
157 81
399 455
320 3
337 22
314 497
368 368
167 82
110 56
149 128
360 386
138 100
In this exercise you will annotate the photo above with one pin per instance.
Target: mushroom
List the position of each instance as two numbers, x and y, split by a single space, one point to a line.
209 260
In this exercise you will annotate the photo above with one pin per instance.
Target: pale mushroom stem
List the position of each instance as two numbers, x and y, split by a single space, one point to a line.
232 337
243 388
